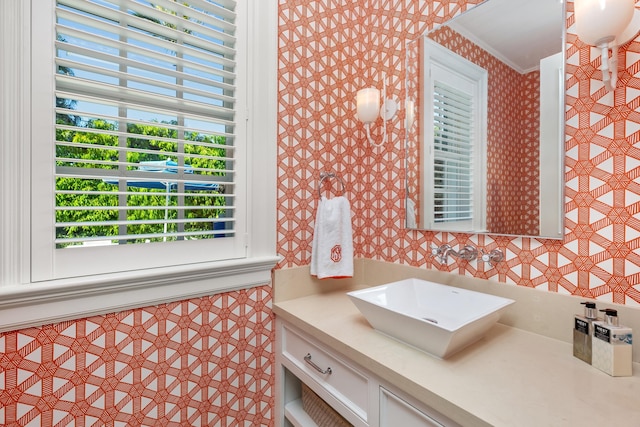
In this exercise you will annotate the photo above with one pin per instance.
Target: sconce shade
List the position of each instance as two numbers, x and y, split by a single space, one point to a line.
602 21
368 101
631 31
411 113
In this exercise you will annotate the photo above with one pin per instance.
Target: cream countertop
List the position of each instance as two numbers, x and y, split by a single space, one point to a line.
512 377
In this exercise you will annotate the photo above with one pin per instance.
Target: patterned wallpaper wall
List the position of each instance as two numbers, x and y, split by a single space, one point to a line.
209 361
529 155
202 362
331 48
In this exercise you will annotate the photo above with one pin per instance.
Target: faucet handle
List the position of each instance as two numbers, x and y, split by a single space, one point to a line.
435 251
493 256
440 252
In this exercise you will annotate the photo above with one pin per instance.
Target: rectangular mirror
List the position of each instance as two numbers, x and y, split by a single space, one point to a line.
485 122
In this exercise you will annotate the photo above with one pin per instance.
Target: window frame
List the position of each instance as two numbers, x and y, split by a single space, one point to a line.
131 75
26 299
440 60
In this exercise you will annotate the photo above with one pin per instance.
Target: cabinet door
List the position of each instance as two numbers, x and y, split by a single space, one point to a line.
396 412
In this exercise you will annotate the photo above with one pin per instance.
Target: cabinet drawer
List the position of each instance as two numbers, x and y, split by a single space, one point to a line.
398 410
338 378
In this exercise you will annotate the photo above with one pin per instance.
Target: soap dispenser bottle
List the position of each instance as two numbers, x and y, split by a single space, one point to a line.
582 332
612 345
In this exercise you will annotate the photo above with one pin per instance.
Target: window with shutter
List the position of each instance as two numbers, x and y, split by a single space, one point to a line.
456 111
144 133
145 121
452 154
148 144
135 127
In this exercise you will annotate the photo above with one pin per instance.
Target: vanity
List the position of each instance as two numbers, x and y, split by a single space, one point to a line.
522 373
359 396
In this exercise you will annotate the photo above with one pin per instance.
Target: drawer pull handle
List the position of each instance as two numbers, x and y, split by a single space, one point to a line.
307 359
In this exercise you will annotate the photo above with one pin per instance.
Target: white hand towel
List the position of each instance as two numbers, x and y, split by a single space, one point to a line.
332 248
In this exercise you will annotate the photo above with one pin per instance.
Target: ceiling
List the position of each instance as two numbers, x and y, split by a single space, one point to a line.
518 32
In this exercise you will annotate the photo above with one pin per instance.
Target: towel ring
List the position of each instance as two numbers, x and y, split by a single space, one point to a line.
325 175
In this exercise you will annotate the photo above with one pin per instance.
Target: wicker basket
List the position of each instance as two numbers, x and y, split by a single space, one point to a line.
319 411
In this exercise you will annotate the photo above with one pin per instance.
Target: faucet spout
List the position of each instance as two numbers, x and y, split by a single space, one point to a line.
468 253
446 250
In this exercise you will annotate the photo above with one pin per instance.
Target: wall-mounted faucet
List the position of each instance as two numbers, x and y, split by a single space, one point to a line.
468 253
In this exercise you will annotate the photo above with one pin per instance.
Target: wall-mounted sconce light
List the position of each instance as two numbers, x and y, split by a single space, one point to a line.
607 24
368 101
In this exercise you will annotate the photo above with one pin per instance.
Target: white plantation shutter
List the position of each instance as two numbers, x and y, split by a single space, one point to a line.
453 154
455 116
145 121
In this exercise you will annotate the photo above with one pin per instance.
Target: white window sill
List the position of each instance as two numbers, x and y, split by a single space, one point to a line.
33 304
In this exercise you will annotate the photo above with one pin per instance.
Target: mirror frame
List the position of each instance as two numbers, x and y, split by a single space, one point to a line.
412 69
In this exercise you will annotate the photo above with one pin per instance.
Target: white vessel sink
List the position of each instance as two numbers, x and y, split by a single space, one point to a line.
432 317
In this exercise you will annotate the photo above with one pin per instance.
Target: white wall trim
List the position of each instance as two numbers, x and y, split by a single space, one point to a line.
15 122
262 131
55 301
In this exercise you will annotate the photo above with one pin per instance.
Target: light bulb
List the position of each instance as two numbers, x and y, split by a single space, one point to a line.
600 22
368 101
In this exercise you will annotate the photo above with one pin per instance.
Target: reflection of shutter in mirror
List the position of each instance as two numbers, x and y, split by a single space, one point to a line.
453 150
456 105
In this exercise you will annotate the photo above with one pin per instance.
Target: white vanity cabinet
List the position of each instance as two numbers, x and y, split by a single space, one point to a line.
357 395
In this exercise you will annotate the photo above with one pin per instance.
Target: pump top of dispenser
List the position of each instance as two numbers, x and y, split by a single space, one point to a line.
590 311
610 316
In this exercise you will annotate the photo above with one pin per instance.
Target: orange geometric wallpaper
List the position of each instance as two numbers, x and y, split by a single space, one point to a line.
209 361
529 155
329 49
202 362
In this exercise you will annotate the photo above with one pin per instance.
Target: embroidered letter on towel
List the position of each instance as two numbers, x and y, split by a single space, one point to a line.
332 248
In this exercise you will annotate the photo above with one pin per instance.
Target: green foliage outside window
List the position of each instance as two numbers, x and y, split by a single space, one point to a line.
97 152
